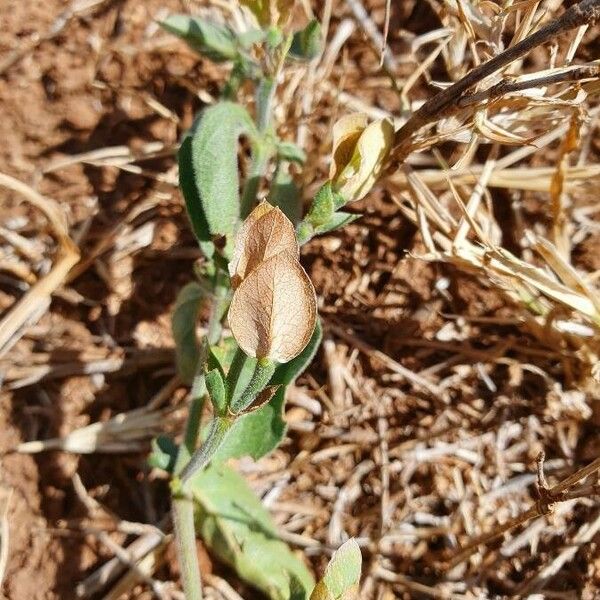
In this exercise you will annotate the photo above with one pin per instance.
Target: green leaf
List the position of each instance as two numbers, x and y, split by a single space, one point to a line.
257 433
306 43
239 530
216 391
342 575
285 194
338 220
291 152
247 39
183 324
223 353
208 168
164 453
212 40
274 38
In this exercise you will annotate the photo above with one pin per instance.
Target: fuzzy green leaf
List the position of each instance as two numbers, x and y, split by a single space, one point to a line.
183 324
306 43
291 152
212 40
257 433
342 575
164 453
215 387
238 529
208 168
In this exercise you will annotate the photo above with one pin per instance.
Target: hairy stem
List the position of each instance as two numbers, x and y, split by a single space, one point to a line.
220 426
182 513
182 508
261 152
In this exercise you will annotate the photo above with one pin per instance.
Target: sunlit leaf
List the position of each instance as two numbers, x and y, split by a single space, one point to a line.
208 168
306 43
291 152
215 387
212 40
238 529
256 433
342 575
183 323
274 309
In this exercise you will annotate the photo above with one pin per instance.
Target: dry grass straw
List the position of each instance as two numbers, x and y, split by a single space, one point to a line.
37 299
456 223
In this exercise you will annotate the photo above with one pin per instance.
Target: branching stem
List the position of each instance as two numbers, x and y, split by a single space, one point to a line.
585 12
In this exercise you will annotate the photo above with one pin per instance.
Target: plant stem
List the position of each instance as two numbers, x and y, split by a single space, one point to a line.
218 431
182 508
264 103
198 391
261 153
262 149
182 512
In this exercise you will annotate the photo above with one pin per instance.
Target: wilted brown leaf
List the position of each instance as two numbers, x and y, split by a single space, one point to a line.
274 310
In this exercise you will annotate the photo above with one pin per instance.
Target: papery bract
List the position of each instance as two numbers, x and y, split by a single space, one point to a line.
274 309
265 233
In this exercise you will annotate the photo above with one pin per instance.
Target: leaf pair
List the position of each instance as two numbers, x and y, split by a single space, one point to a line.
274 310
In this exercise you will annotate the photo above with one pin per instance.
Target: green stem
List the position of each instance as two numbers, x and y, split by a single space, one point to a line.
265 95
182 513
182 508
262 151
261 154
198 391
220 426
